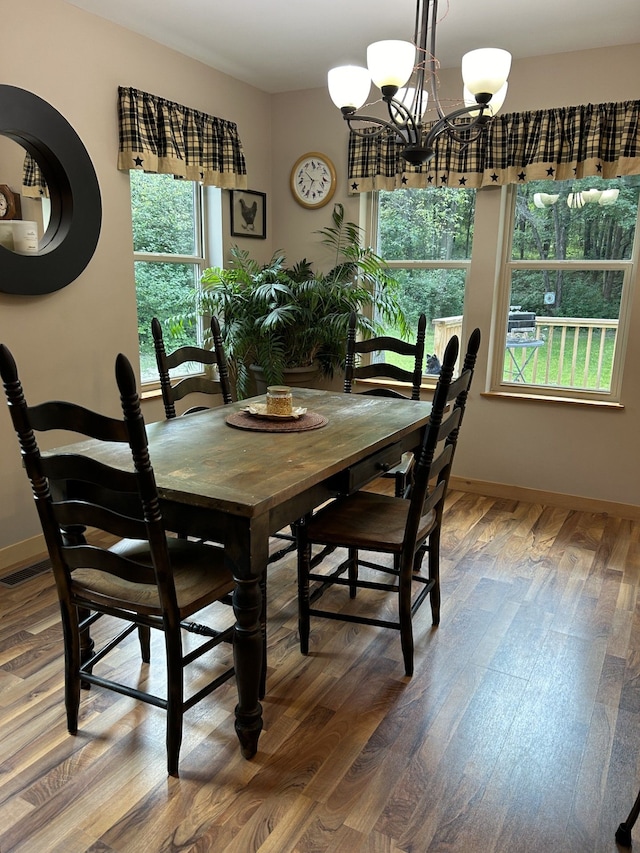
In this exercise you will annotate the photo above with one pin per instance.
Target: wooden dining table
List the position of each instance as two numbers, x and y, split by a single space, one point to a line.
239 486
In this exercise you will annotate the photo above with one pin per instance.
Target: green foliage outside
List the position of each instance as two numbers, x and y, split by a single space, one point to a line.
588 233
163 216
414 226
434 225
437 225
429 224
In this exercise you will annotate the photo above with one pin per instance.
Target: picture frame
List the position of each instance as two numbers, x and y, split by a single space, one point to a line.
248 214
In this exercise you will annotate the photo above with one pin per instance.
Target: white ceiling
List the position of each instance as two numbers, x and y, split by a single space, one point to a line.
282 45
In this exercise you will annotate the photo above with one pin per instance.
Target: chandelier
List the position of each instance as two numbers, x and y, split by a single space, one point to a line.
577 200
399 69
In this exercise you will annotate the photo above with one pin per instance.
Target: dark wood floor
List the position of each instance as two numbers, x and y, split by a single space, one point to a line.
520 730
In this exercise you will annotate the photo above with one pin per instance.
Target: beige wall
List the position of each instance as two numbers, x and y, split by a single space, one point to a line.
65 343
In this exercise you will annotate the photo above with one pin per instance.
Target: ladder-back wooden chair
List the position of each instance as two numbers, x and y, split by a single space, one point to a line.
145 579
176 389
404 529
382 369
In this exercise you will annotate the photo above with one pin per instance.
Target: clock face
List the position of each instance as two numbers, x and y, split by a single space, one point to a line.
9 203
313 180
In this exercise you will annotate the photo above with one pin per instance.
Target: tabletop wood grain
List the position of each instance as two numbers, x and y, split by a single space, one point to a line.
200 459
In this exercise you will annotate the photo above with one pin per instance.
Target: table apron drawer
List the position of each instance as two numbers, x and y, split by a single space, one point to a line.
363 472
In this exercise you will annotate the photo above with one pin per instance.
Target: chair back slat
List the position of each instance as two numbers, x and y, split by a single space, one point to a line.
191 353
449 423
191 385
387 344
435 498
84 469
58 414
91 557
382 370
69 513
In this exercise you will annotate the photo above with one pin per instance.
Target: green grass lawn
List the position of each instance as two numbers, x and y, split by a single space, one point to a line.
554 360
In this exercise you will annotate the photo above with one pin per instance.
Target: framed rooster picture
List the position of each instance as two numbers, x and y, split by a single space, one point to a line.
248 214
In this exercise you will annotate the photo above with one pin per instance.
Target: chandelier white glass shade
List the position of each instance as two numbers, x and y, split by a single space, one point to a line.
390 63
545 199
492 108
485 70
399 69
578 199
349 86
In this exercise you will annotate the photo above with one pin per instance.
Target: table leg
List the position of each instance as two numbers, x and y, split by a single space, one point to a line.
246 549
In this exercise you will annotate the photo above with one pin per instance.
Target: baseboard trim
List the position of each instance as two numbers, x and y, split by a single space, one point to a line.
520 493
29 549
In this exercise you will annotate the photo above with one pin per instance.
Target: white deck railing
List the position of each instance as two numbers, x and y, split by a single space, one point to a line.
575 349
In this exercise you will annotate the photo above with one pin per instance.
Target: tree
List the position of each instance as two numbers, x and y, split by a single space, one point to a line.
585 231
163 216
427 224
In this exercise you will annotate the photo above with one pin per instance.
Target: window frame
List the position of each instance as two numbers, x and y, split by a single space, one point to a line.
372 209
508 265
208 245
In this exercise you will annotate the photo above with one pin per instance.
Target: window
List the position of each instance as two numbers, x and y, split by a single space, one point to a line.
169 244
566 287
425 236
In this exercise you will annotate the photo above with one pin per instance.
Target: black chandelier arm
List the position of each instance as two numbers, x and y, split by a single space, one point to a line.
420 152
445 123
405 121
380 123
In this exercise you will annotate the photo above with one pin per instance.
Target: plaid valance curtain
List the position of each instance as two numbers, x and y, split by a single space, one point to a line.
567 142
156 135
33 182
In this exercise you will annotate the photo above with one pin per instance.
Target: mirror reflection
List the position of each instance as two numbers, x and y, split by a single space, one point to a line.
25 206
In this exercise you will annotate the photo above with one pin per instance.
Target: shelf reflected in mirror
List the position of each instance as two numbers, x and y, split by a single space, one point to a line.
23 235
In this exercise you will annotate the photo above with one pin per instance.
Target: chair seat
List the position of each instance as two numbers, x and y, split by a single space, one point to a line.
366 520
200 577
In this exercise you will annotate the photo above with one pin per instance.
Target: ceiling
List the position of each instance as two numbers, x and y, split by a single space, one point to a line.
282 45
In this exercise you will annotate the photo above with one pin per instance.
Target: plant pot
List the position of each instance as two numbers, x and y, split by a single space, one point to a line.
296 377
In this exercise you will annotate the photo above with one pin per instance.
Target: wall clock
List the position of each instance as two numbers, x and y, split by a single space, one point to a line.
313 180
9 204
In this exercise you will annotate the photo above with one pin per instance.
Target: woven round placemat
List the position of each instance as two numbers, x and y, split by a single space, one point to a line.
310 420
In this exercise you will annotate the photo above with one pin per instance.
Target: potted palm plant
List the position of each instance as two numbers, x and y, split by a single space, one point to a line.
277 318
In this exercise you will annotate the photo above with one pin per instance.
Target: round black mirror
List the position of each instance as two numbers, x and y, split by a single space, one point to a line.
76 208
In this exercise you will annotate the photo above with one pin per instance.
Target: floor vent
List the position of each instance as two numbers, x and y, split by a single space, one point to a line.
23 575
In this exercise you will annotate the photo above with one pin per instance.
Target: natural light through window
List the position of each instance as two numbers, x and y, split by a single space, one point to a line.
425 236
169 242
566 286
